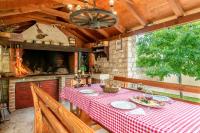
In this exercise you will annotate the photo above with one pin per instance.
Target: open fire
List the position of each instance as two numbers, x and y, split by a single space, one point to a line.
20 69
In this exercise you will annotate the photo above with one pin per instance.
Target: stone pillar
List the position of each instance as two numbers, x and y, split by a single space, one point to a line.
11 95
120 61
61 85
4 60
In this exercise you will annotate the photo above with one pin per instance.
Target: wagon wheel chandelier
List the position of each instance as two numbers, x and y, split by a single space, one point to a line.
92 17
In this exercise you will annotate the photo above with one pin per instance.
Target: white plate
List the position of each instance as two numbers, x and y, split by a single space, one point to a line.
161 98
123 105
87 91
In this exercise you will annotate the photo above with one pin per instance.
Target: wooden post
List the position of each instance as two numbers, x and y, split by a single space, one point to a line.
75 62
91 60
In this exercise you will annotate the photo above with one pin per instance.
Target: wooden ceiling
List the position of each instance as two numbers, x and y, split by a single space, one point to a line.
135 16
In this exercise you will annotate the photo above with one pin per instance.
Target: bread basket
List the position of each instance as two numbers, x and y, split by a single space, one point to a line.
110 89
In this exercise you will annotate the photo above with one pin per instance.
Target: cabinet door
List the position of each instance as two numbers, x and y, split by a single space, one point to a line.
23 95
51 87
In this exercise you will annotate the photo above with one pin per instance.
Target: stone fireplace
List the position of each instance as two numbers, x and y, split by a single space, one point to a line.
50 66
41 62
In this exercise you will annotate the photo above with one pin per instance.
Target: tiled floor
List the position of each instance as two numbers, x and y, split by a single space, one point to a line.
21 121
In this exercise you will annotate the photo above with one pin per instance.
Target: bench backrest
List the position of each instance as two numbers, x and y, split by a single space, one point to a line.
52 117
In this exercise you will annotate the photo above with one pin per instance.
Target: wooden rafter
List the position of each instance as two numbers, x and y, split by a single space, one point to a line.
20 11
120 28
13 20
54 12
65 16
49 20
28 9
13 4
103 32
180 20
130 6
176 7
68 26
77 35
65 2
88 34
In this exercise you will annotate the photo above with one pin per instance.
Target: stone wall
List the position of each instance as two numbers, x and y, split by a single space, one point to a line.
121 62
4 60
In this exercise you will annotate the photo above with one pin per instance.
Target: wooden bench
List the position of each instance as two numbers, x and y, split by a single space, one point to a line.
52 117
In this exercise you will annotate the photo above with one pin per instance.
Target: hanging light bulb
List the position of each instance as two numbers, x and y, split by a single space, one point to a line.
86 3
114 12
70 6
111 3
78 7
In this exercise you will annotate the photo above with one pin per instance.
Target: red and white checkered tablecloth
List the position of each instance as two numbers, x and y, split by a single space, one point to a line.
177 117
83 101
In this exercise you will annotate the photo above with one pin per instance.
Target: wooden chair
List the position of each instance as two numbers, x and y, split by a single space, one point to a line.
52 117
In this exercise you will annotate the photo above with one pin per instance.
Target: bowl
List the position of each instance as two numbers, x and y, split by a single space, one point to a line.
110 89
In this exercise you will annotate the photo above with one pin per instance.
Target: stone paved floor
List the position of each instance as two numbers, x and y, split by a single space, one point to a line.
21 121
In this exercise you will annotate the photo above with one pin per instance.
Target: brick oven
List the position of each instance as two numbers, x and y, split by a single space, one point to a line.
50 66
48 69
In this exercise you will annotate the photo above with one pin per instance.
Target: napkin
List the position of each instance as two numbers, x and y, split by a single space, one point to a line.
138 111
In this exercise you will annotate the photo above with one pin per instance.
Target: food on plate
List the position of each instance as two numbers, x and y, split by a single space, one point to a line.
146 100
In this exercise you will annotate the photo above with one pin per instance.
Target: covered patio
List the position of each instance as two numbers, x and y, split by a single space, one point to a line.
81 66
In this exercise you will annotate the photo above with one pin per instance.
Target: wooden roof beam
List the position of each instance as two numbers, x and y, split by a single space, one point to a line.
130 6
48 20
20 11
176 7
66 2
73 33
54 12
103 32
28 9
13 20
65 16
178 21
88 34
69 26
120 28
77 35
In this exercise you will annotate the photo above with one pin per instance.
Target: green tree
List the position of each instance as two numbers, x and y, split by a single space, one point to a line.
171 51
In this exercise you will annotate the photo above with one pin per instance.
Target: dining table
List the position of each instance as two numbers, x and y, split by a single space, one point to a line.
174 117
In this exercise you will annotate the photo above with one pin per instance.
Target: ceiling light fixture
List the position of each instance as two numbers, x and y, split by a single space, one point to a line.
92 17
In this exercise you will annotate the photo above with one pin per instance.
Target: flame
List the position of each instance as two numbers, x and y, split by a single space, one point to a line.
20 70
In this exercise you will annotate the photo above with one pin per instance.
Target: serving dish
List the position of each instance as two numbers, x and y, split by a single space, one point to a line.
141 100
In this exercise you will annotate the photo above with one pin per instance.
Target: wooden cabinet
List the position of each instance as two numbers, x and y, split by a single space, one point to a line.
51 87
23 95
101 51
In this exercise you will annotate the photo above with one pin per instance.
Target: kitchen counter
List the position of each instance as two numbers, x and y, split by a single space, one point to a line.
101 76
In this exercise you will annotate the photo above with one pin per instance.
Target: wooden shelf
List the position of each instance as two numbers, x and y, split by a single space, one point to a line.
102 51
49 47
